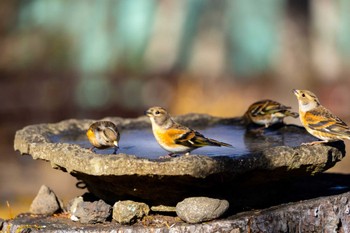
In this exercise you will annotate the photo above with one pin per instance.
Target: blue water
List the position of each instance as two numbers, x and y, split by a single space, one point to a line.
142 143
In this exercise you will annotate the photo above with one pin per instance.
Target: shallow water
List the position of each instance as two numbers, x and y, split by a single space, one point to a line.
143 144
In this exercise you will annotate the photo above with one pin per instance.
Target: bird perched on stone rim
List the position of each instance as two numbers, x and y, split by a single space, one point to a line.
174 137
103 134
267 112
318 120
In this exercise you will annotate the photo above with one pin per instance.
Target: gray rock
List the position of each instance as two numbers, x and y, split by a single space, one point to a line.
201 209
126 212
45 202
89 212
72 207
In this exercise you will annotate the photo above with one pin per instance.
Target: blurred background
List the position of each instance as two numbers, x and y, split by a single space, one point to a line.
64 59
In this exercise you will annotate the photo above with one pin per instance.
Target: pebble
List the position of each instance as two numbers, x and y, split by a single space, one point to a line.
89 211
127 212
200 209
45 202
163 208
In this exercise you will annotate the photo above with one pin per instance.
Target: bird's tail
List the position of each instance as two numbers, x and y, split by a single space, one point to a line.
292 114
347 135
217 143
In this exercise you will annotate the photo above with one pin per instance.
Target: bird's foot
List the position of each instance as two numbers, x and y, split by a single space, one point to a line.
115 150
171 155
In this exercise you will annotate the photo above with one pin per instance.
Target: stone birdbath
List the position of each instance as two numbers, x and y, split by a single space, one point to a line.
138 173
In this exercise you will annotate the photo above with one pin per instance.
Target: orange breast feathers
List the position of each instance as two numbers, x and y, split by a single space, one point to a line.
91 136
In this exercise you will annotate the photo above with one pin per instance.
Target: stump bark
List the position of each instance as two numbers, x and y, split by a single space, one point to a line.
323 214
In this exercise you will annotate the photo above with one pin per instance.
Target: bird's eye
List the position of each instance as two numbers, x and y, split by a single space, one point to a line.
157 112
303 95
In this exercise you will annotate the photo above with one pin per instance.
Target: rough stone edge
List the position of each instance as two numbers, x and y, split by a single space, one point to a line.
90 163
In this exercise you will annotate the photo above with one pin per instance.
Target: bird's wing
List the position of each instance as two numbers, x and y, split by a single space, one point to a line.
185 136
182 136
325 121
267 107
109 134
192 138
279 110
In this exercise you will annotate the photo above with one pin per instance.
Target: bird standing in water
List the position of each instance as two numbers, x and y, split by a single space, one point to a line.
176 138
103 134
318 120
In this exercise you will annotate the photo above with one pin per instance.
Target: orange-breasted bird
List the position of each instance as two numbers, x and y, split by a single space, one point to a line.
174 137
267 113
103 134
318 120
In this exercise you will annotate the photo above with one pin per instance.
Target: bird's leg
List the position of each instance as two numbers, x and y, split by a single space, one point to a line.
92 149
170 155
116 148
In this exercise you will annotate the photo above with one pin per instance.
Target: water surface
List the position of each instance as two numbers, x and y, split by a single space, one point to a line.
142 143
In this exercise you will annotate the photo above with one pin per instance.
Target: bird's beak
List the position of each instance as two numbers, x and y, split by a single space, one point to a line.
296 92
116 144
148 113
116 148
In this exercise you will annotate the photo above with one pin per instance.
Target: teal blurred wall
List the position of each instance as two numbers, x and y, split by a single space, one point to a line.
114 51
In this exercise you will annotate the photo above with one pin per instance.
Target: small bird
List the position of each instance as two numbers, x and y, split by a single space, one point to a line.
102 135
318 120
176 138
267 113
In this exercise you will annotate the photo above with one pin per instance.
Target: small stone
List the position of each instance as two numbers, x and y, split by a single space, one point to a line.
72 208
45 202
126 212
89 212
343 200
200 209
163 208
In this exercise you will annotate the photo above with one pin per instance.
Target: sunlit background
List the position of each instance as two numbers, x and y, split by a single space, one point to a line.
64 59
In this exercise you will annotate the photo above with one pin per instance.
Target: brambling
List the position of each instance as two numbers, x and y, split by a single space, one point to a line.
176 138
103 134
267 113
318 120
